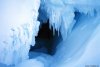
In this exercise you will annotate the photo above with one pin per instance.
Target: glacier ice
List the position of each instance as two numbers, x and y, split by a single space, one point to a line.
61 13
17 20
61 17
77 21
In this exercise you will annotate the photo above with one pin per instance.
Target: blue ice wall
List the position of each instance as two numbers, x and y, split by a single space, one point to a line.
76 20
77 31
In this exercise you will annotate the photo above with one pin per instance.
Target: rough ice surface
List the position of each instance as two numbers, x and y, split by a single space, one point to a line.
76 20
17 20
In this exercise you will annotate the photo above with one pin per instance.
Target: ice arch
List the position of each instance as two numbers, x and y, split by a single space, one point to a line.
84 16
16 38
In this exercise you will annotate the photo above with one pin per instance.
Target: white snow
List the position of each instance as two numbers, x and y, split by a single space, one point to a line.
31 63
19 25
18 28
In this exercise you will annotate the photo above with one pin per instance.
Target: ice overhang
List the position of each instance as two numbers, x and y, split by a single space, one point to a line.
67 19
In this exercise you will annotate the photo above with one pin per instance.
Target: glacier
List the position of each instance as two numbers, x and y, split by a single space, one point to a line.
74 39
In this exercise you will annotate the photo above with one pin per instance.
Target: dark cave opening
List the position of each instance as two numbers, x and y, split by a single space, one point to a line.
46 41
76 18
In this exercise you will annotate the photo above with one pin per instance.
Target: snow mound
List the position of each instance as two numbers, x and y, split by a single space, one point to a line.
31 63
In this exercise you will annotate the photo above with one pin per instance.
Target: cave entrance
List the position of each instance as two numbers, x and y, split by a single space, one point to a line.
46 41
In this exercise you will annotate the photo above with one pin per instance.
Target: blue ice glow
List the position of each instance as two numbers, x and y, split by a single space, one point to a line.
76 21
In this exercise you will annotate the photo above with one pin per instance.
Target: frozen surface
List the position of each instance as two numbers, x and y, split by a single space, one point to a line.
76 20
31 63
61 13
79 42
17 20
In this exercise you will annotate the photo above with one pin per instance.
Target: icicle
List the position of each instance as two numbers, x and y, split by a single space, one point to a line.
58 31
53 31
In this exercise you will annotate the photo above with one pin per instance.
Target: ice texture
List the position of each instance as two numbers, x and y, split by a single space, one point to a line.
79 45
61 17
18 28
76 20
61 13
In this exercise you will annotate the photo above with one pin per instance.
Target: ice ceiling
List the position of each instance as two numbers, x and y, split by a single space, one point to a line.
72 25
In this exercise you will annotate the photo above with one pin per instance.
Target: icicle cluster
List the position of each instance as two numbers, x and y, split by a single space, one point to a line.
61 13
61 16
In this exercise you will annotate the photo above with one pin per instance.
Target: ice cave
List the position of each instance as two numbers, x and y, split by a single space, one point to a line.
49 33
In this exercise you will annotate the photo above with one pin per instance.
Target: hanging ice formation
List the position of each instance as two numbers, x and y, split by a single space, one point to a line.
61 13
61 16
20 21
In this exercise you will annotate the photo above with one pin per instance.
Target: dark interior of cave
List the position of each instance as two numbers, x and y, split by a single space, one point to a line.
46 41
